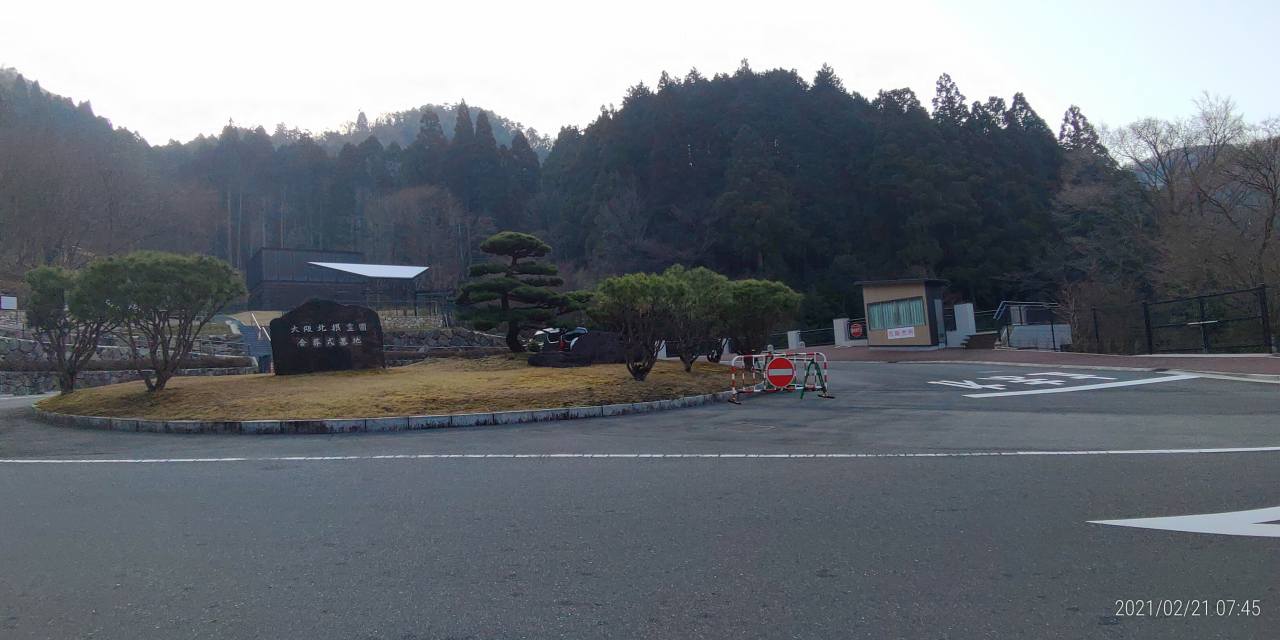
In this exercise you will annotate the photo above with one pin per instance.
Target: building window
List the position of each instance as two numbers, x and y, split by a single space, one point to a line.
908 312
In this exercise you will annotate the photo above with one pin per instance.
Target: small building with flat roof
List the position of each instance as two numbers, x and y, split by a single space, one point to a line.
281 279
904 313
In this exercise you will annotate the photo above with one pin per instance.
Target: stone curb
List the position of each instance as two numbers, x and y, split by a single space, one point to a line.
373 425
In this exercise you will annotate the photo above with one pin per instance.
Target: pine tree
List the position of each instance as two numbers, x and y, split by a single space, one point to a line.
515 293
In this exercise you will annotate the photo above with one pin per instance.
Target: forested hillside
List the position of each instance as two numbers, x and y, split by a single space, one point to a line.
759 174
766 174
401 127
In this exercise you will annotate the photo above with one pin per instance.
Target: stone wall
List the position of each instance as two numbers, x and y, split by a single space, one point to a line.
24 383
439 337
14 350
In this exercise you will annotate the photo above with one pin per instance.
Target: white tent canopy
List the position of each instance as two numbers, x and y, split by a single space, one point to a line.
393 271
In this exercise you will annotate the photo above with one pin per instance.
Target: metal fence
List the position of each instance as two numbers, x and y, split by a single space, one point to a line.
983 320
1226 322
818 337
1030 325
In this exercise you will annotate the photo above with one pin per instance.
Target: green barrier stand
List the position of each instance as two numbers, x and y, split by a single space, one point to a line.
813 370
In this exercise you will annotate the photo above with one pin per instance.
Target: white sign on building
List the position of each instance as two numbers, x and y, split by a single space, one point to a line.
8 303
902 332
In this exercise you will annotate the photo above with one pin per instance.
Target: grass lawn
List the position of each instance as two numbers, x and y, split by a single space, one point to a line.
498 383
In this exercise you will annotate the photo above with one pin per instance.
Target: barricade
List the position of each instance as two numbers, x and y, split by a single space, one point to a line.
772 372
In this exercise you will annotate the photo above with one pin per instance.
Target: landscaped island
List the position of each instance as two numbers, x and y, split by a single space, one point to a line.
498 383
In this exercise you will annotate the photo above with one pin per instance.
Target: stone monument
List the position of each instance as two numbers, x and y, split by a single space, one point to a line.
322 335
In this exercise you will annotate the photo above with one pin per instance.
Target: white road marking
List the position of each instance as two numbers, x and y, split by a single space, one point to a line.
1085 387
966 384
1262 378
1073 376
1231 523
659 456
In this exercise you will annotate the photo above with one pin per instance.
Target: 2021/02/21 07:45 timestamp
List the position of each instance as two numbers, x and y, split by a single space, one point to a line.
1189 608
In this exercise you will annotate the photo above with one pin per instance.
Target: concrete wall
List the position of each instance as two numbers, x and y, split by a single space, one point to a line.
840 328
26 383
965 326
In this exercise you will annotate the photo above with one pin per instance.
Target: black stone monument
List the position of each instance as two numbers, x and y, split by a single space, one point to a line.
322 335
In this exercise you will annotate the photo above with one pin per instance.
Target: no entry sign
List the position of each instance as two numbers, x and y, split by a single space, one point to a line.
780 372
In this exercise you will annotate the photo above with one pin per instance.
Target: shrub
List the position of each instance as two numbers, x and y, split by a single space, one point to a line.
169 300
70 312
640 307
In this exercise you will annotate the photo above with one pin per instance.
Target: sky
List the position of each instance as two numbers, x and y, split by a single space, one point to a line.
173 70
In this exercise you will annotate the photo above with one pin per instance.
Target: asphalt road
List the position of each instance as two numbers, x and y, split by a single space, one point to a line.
922 538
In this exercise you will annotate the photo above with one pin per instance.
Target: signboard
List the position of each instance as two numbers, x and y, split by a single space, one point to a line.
8 303
857 331
902 332
322 335
780 372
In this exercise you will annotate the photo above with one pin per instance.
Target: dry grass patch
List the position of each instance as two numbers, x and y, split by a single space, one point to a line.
498 383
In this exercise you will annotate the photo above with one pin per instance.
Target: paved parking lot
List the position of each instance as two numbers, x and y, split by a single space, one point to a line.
925 500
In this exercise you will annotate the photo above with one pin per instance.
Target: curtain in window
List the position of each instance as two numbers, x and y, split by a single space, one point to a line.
896 313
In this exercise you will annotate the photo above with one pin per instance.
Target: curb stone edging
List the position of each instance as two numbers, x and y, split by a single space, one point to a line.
373 425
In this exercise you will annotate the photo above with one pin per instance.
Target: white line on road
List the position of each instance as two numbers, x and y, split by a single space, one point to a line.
658 456
1084 387
1253 522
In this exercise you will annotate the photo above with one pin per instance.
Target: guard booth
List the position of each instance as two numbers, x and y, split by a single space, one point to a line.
904 313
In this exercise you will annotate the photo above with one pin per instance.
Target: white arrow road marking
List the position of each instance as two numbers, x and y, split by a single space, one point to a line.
1231 523
1084 387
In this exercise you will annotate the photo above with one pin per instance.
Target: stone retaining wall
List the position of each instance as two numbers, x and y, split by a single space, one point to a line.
25 383
399 339
364 425
22 347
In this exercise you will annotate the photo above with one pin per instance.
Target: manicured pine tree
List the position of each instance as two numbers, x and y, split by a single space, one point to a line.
516 292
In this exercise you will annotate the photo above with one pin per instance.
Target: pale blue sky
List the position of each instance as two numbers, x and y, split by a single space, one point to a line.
175 69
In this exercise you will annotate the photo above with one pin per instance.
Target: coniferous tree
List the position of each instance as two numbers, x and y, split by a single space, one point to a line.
826 79
515 292
425 157
486 184
949 104
1077 133
457 168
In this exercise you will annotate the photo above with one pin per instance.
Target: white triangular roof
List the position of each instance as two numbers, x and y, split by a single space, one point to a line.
403 272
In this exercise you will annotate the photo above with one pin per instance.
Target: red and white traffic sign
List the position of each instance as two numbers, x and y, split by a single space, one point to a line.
780 372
